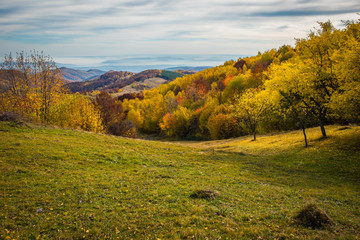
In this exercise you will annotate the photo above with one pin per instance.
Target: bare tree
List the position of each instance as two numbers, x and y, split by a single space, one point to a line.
32 84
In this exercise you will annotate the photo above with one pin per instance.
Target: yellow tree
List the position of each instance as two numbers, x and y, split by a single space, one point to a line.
34 84
316 51
345 104
16 92
76 111
287 86
251 107
222 126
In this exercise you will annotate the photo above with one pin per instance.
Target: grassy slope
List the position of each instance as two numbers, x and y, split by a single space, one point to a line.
147 84
68 184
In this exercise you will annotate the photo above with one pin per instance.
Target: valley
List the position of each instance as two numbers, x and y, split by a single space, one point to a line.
62 184
118 82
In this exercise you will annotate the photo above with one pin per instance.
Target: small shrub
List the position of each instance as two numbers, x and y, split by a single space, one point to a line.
204 194
314 217
10 116
124 128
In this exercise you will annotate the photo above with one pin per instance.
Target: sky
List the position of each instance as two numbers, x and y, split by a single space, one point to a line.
91 31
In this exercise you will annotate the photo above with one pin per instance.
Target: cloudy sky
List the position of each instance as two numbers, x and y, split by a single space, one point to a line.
72 29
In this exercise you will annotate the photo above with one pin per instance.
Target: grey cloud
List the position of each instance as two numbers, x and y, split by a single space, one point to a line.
305 1
8 11
139 3
129 22
299 13
283 27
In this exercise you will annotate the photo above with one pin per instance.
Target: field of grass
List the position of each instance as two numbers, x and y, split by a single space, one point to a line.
66 184
138 87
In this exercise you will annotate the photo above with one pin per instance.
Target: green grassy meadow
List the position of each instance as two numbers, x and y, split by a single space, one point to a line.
66 184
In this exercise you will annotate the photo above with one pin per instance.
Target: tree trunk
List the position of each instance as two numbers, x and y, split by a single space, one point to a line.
322 122
306 143
322 127
254 131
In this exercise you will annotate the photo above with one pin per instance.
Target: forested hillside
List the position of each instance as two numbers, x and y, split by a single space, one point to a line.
115 81
75 75
314 84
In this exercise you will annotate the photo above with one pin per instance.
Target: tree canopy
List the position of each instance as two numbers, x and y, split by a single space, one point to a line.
313 84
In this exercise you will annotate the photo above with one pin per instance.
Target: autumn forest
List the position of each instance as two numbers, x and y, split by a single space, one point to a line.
315 83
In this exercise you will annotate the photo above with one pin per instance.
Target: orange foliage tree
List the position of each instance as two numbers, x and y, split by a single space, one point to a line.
222 126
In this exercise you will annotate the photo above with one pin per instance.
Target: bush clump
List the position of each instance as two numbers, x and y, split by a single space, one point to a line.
204 194
124 128
312 216
10 116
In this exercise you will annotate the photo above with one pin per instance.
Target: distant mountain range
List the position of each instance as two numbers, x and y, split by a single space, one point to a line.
79 75
120 81
188 68
75 75
142 62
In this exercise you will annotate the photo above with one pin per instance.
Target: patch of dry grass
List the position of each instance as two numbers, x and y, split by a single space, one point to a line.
338 137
